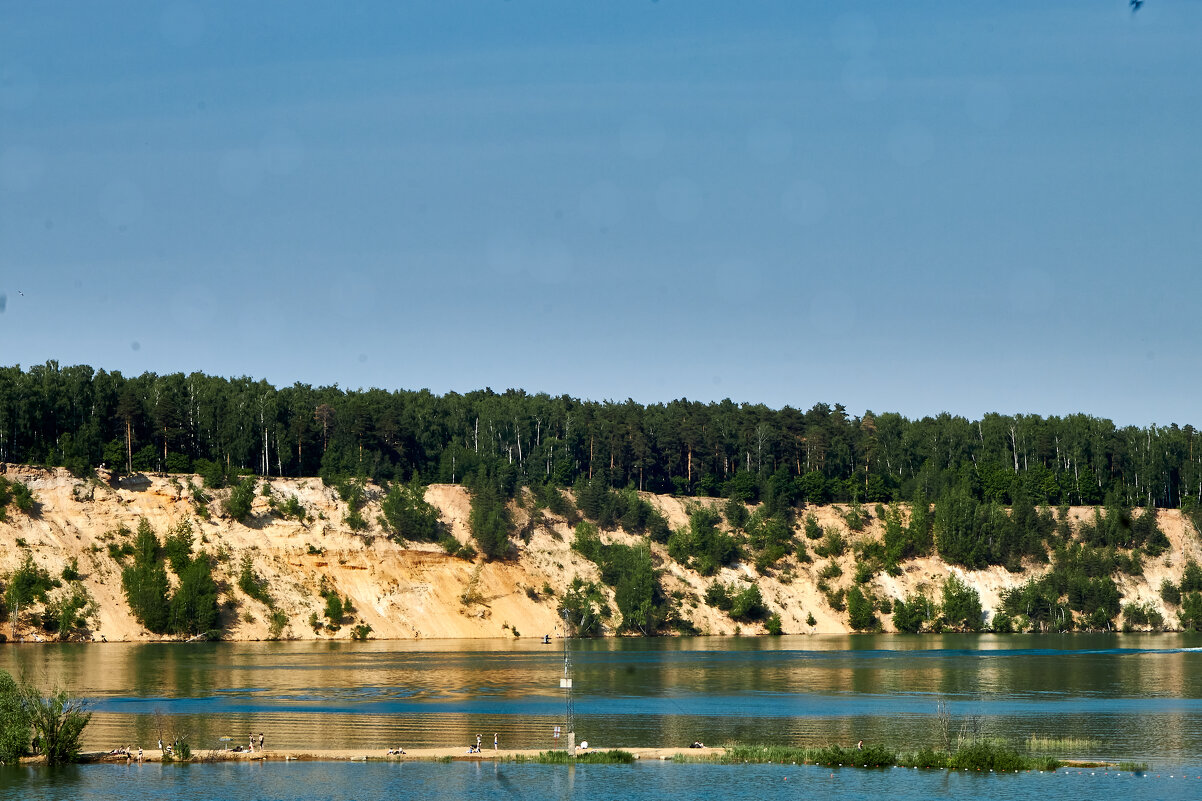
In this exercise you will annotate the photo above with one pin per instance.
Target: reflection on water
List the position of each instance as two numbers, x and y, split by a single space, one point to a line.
1137 696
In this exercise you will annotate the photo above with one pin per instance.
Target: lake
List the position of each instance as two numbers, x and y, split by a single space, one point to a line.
1117 697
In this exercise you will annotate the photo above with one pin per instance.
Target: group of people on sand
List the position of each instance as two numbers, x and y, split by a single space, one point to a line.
127 751
475 749
250 744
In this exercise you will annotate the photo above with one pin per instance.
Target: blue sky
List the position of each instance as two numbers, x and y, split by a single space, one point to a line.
909 207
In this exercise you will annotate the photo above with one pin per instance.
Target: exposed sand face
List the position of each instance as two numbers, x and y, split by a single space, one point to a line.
416 591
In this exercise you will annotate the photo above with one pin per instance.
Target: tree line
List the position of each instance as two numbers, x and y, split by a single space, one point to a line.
82 418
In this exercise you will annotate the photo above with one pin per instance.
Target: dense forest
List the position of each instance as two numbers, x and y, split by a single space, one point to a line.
80 418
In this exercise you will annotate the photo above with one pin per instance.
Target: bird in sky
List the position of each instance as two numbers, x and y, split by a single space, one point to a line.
1136 5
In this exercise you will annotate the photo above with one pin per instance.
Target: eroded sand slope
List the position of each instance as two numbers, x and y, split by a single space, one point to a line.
406 591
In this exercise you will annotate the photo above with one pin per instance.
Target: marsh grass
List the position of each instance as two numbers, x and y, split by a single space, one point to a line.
1038 743
975 755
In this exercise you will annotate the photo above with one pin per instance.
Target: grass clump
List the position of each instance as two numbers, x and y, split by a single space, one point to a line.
1132 767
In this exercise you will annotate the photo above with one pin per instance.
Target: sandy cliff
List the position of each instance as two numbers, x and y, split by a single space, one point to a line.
406 591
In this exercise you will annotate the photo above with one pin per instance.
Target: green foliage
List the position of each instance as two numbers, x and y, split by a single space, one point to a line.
16 494
1190 614
833 544
178 546
71 571
830 570
609 508
28 584
961 605
585 607
856 517
1170 592
53 722
701 545
70 611
736 514
242 496
194 603
1191 577
335 610
15 722
409 516
361 631
489 519
78 416
975 534
914 613
860 612
812 529
1141 615
631 572
292 509
1039 601
587 757
145 581
986 755
772 539
277 621
254 585
552 498
773 625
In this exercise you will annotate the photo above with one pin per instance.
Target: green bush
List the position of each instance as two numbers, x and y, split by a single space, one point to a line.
773 625
409 516
254 585
194 603
860 611
242 496
53 722
961 605
833 544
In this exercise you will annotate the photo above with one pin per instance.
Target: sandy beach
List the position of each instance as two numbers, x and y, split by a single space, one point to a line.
459 754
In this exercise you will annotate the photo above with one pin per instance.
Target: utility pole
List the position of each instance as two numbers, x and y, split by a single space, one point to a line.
565 684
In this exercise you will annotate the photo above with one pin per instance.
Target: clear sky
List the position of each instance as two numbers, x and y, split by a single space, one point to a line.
913 207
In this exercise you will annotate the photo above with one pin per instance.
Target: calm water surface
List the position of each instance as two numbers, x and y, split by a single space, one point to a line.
1116 696
489 782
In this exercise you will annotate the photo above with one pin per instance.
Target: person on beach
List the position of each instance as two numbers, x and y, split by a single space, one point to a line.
260 742
252 743
478 739
139 753
160 744
494 741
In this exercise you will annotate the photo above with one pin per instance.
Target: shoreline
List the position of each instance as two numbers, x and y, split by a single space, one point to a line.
451 753
455 754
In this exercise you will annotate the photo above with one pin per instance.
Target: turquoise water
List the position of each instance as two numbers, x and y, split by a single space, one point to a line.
1113 697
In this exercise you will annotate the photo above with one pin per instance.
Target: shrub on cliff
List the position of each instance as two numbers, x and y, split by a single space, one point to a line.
409 516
